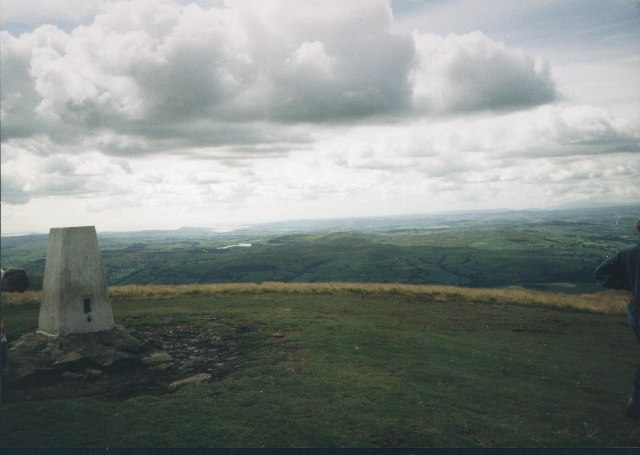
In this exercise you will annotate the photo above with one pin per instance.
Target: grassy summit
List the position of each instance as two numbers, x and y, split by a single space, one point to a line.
360 365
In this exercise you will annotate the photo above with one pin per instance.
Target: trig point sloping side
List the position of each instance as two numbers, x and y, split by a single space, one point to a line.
74 290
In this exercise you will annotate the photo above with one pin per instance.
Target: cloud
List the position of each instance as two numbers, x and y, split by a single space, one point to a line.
19 96
563 131
27 175
481 142
13 190
148 60
18 189
151 71
261 110
473 72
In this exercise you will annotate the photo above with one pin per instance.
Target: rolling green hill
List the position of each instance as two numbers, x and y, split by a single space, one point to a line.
542 250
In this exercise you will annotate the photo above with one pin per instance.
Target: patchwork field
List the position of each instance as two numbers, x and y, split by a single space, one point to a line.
351 365
554 251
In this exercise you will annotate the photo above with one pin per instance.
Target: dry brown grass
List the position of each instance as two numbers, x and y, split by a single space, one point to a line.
603 302
16 298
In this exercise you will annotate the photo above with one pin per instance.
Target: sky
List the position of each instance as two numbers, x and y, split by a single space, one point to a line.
153 114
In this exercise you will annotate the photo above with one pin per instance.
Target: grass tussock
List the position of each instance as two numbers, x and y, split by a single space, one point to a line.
603 302
20 298
608 302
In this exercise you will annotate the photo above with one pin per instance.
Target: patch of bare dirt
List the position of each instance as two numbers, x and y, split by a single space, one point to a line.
154 361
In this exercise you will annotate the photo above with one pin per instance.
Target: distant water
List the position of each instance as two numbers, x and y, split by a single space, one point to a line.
242 245
223 228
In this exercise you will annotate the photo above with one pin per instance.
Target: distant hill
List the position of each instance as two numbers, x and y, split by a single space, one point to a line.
533 248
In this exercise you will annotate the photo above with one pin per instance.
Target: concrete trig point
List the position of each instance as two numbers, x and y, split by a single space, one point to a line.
74 291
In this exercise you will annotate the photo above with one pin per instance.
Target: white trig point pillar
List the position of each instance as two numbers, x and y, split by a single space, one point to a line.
74 290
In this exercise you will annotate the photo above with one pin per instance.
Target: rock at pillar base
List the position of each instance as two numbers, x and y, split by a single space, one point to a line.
37 358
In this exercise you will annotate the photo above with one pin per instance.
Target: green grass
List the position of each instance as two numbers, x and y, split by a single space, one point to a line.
364 369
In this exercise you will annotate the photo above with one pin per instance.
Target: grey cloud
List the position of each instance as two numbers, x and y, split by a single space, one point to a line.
623 145
615 168
19 97
13 190
571 132
225 63
63 186
154 77
199 138
59 165
18 190
445 167
490 147
368 77
472 72
125 166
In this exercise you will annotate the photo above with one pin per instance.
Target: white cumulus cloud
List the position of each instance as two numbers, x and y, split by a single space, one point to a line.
146 68
473 72
269 109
